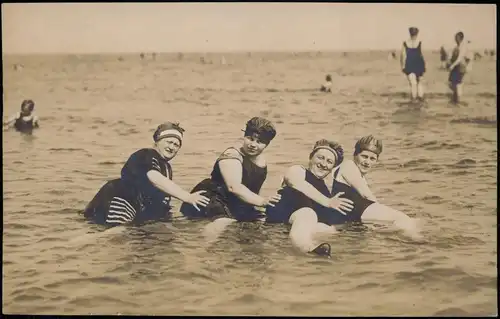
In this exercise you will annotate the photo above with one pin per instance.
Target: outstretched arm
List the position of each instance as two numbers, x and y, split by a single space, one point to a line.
168 186
351 174
36 121
232 173
11 120
295 177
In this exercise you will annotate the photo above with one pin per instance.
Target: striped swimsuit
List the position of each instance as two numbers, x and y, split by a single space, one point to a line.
132 198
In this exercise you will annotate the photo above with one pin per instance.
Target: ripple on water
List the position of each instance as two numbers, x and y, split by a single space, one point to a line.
432 199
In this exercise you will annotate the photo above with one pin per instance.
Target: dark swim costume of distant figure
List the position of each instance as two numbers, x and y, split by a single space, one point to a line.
415 62
24 121
327 87
133 198
443 54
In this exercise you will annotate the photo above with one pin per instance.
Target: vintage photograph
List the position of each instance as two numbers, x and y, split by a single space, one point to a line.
249 159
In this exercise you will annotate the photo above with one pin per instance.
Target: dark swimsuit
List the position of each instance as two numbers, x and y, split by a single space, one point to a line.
415 62
132 198
25 126
359 202
293 200
222 202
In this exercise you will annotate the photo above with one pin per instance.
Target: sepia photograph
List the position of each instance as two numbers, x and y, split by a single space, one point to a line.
249 159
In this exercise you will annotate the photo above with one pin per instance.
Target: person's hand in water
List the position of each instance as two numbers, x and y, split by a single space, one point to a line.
271 200
343 205
196 199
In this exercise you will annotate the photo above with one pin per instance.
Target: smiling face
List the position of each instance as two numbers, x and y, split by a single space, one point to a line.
321 163
365 161
168 147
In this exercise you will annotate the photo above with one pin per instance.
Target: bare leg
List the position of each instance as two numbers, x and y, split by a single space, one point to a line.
459 91
304 225
379 212
412 79
453 88
213 230
420 88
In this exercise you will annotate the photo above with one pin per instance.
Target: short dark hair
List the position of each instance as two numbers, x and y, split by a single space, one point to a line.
264 128
368 143
413 31
28 103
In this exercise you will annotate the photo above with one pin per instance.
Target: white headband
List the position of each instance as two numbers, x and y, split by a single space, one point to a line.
170 133
324 147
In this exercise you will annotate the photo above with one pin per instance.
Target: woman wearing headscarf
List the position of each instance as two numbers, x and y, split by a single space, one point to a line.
237 177
350 180
144 190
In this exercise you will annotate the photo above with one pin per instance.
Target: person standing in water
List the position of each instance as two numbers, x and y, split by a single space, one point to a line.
458 66
236 179
24 121
350 180
413 64
305 199
144 191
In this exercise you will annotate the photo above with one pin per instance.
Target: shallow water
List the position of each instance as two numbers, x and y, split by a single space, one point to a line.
439 164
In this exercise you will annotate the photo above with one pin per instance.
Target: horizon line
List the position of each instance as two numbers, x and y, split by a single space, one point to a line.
222 52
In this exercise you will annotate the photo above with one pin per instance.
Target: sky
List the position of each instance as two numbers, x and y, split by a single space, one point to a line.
219 27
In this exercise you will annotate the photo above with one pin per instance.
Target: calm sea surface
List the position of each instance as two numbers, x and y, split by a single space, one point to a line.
439 164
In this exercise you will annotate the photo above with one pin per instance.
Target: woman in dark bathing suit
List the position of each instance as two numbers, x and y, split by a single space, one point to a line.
305 199
237 177
413 64
145 188
351 182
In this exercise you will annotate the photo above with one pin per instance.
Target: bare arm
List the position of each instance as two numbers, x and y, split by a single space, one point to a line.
352 175
36 122
295 177
12 119
402 56
168 186
461 54
232 173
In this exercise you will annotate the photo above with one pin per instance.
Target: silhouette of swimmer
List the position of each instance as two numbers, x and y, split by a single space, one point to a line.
327 87
24 121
